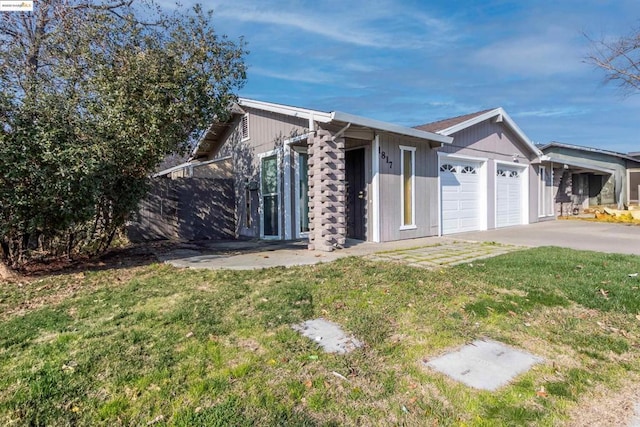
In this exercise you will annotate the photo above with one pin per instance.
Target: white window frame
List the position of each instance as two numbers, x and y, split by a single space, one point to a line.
278 156
412 150
296 158
244 126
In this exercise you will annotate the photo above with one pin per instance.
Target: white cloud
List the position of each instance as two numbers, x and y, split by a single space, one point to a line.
362 24
541 55
297 75
552 112
305 75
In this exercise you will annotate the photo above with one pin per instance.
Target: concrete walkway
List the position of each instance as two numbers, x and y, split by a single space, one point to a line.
431 252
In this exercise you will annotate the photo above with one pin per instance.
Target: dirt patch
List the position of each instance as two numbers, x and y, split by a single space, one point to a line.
126 257
606 407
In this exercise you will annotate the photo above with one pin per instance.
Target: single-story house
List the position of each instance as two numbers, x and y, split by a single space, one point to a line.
584 177
330 176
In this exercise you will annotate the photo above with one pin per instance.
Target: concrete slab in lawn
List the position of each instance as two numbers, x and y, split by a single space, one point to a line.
635 421
328 335
484 364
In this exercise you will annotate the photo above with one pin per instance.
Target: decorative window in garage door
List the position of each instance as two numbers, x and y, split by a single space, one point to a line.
507 173
448 168
469 170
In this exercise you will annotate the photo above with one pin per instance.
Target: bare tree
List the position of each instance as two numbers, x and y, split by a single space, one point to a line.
620 59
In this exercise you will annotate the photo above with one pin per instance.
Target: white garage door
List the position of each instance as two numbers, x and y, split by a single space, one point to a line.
509 196
461 194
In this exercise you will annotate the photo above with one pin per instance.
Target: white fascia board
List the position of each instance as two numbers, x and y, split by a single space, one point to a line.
489 114
287 110
389 127
187 164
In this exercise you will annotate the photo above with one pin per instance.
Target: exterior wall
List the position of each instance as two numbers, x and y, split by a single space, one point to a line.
186 209
549 191
218 170
426 191
493 142
267 132
534 189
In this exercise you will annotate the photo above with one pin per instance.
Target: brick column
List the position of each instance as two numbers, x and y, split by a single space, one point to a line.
327 199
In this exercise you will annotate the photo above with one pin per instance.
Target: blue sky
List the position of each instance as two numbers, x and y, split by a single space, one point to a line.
413 62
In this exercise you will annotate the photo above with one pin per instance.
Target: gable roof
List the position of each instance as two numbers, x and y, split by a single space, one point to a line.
218 128
443 124
553 144
456 124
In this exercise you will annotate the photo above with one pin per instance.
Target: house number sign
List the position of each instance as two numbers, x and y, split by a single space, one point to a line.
384 156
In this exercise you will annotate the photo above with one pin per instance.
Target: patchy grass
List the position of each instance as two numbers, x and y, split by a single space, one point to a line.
163 346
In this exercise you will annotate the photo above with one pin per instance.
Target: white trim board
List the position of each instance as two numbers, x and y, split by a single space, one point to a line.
375 189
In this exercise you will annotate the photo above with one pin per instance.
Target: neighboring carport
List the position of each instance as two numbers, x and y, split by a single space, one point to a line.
584 177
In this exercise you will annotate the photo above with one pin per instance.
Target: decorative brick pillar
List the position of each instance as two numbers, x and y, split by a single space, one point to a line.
327 192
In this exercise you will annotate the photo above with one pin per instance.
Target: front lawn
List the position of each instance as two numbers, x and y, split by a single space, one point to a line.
157 345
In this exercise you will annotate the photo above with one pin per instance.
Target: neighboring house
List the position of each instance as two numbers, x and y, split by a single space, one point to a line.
584 177
333 175
491 175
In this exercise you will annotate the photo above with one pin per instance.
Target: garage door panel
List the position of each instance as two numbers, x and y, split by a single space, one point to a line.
460 196
509 196
469 205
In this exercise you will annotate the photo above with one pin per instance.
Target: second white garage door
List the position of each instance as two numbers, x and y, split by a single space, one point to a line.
509 195
461 195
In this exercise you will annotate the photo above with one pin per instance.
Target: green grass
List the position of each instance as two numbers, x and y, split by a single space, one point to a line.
185 347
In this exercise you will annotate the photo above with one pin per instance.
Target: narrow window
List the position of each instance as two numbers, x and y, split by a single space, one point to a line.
244 127
407 193
247 205
270 197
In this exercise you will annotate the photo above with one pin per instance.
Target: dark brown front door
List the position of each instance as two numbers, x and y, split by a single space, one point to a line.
356 194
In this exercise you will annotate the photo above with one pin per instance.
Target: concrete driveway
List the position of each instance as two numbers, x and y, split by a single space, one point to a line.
574 234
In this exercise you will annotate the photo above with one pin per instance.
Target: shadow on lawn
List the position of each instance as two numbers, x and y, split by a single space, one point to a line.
142 254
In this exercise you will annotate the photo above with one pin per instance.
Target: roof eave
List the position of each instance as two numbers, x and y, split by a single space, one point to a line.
341 117
234 110
287 110
589 150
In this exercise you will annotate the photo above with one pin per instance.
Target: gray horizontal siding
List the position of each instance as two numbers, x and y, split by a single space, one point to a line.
426 192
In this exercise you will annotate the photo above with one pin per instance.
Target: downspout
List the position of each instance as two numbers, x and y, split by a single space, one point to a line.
312 123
